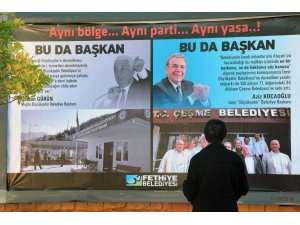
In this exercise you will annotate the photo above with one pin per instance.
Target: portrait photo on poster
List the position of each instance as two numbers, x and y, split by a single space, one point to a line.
194 73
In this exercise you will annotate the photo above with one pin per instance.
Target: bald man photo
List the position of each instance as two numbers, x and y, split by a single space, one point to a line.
133 90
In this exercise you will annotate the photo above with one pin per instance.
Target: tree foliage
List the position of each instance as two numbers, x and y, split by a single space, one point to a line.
20 79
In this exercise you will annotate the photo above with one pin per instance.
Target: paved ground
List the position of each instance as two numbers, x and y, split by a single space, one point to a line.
55 169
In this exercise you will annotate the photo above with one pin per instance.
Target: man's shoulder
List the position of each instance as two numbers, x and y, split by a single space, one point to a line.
268 154
162 86
170 152
220 152
234 155
284 155
162 82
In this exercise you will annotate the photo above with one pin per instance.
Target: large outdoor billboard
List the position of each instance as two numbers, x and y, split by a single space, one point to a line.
112 115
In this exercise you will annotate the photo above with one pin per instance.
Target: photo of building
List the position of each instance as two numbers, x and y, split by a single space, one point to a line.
171 125
113 141
120 142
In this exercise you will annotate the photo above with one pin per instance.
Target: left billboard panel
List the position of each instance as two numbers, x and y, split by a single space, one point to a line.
94 118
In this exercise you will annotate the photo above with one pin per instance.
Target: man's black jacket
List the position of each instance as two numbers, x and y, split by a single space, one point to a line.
216 180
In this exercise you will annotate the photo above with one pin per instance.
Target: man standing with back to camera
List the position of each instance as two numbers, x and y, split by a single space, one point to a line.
216 178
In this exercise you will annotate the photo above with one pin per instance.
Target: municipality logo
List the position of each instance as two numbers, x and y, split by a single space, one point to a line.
151 181
134 180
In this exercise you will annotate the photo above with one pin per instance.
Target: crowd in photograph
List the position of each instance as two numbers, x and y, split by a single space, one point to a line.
257 155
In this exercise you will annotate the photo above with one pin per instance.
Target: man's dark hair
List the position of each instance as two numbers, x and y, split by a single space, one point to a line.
246 137
215 131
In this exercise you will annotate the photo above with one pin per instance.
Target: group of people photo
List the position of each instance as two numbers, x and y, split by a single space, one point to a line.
34 158
261 158
257 155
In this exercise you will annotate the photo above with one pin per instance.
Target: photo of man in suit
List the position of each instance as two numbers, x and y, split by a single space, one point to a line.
252 162
275 162
175 92
133 90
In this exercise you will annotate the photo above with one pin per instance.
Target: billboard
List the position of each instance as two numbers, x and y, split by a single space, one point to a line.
112 115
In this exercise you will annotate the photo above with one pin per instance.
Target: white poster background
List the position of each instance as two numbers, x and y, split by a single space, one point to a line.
100 70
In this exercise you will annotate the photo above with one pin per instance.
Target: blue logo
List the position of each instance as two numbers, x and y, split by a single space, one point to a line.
134 180
151 180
